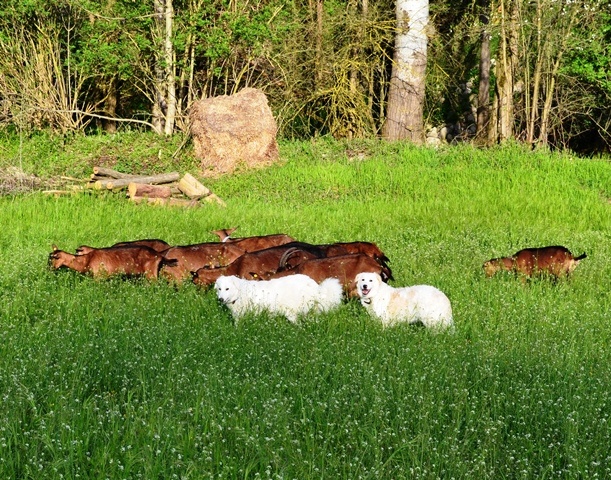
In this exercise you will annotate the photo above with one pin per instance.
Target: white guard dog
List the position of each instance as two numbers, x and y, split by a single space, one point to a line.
419 303
290 296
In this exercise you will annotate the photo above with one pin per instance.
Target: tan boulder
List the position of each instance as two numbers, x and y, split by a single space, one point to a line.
232 131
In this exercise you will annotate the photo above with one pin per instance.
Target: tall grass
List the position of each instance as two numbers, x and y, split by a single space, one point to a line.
135 380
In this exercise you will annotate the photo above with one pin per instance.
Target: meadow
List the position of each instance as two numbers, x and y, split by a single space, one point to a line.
132 379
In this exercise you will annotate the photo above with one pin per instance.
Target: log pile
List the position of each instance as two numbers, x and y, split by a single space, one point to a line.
162 189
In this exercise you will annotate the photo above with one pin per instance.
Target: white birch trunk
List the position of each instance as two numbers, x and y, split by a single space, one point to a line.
404 117
170 75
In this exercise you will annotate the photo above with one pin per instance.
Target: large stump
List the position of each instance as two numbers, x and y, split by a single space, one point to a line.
233 130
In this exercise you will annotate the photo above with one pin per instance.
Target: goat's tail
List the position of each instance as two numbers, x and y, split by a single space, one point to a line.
581 257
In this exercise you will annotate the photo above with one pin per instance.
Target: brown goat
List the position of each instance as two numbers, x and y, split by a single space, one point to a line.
367 248
343 267
556 261
190 258
104 262
345 248
155 244
261 263
253 244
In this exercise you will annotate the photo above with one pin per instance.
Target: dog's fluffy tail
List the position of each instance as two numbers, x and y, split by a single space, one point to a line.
329 294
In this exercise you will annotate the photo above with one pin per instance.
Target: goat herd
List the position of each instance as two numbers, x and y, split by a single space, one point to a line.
278 274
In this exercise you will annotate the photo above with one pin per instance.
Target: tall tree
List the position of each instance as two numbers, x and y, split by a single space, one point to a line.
405 110
483 98
164 108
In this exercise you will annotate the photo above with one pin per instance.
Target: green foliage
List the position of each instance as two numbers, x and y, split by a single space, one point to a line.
131 379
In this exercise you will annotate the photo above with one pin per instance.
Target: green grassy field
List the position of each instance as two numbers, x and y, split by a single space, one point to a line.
129 379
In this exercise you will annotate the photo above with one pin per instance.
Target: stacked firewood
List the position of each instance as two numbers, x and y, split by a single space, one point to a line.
161 189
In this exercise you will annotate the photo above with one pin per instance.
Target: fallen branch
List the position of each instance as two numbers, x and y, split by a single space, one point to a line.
108 172
153 179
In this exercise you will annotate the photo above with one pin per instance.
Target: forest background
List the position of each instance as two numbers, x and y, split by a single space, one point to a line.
105 65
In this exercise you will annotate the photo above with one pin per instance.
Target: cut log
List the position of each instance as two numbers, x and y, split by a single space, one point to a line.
152 179
107 172
148 190
97 185
212 198
191 187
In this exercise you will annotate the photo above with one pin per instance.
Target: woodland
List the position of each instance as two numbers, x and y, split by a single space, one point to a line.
537 72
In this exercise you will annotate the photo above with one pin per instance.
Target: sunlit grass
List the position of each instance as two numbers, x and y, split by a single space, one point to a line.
131 379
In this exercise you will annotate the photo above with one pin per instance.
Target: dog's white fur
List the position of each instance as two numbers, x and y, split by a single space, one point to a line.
417 304
290 296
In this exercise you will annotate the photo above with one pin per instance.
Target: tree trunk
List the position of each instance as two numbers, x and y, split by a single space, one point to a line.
164 107
505 69
170 69
404 117
483 99
158 104
110 105
319 52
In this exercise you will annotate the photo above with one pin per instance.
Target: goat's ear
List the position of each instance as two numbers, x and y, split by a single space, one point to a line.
254 275
55 249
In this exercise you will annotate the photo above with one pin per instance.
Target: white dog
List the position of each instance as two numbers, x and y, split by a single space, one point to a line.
418 304
290 296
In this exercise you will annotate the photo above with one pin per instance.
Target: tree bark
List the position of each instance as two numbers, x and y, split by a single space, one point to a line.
405 109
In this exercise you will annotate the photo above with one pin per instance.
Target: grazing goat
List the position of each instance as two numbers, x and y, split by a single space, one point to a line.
417 304
291 297
556 261
155 244
343 267
104 262
190 258
260 264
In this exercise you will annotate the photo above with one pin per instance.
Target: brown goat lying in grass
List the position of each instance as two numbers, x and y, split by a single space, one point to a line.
190 258
343 267
341 248
367 248
556 261
154 243
253 244
262 263
105 262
